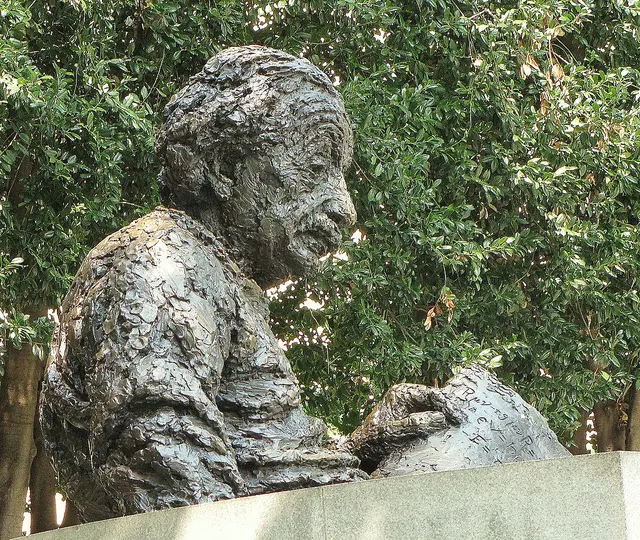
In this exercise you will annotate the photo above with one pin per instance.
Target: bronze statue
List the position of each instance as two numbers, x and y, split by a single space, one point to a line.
166 386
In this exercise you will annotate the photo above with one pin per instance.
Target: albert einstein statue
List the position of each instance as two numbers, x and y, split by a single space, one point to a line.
166 386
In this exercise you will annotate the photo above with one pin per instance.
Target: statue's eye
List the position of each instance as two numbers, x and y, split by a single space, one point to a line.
317 168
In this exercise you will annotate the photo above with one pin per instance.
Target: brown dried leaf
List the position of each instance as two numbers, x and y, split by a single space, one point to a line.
432 314
544 106
602 146
557 72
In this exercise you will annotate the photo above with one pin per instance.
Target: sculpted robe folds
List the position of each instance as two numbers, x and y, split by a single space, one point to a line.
161 334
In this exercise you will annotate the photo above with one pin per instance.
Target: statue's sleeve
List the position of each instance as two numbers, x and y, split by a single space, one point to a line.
142 342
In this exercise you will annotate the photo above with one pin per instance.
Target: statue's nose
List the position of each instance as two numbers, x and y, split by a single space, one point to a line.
340 209
338 205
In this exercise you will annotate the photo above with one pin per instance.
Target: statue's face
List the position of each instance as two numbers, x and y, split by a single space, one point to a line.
313 204
255 148
296 194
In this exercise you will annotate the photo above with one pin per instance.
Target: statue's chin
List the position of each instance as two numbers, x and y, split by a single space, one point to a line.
299 259
307 249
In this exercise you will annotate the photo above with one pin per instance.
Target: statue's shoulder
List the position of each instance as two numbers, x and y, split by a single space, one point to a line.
173 228
163 240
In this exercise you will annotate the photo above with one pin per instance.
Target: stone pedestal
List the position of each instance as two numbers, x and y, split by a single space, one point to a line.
587 497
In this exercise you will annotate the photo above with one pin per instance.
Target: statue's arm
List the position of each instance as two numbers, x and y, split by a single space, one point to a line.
144 347
173 342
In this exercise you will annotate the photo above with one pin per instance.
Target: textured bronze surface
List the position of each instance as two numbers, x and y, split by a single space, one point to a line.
165 385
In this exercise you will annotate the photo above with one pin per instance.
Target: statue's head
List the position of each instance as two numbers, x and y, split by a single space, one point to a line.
255 147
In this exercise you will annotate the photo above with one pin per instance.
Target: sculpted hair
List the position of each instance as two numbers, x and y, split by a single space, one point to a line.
245 100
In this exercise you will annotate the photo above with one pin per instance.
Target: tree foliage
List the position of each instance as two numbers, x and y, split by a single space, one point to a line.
495 176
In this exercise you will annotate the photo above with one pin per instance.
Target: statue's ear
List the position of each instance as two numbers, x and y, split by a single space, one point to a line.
178 162
178 157
223 188
221 172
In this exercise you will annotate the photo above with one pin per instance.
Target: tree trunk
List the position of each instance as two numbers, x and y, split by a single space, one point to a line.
42 488
18 400
71 516
580 437
609 426
633 429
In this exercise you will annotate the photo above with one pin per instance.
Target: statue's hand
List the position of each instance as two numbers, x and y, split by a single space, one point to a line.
406 412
